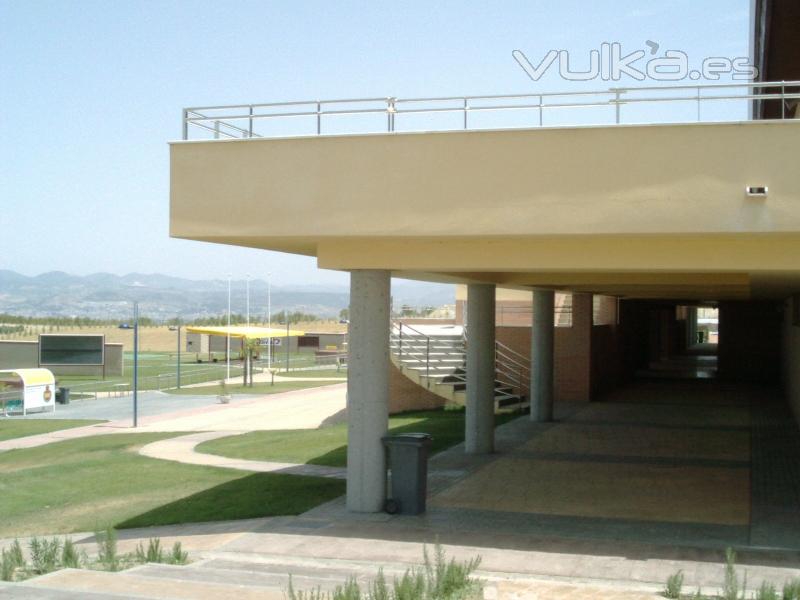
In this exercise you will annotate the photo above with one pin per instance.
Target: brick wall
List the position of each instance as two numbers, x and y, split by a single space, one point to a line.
405 395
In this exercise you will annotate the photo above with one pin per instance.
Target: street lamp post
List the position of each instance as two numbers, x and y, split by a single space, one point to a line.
269 319
228 336
178 371
248 300
135 364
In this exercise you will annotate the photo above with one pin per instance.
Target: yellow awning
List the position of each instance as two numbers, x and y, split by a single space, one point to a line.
32 376
242 331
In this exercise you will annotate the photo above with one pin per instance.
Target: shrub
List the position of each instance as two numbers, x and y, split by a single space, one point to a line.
107 549
70 558
791 590
730 586
44 554
178 556
767 591
153 554
7 567
674 585
436 580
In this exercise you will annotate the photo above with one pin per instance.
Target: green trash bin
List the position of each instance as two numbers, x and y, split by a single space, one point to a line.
62 395
408 463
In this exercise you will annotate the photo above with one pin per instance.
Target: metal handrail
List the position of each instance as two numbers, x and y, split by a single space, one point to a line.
391 107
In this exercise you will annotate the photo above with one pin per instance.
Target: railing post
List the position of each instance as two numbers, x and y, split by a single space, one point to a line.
400 344
185 124
783 99
250 123
466 108
319 118
698 103
617 95
541 110
428 360
216 130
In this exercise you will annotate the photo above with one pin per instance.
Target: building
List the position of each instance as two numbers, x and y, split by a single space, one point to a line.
68 354
586 251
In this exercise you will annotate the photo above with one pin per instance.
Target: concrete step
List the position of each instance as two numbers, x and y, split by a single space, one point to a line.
132 584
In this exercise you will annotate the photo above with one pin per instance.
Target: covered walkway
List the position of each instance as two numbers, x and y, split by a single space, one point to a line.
688 463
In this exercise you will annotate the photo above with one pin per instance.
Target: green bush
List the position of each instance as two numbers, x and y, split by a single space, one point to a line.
791 590
107 549
767 591
730 586
674 585
436 580
44 554
153 554
70 558
178 556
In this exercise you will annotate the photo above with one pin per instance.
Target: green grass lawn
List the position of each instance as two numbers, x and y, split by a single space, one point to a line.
328 445
257 388
157 370
17 428
90 483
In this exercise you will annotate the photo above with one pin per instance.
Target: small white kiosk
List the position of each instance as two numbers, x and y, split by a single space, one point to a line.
22 390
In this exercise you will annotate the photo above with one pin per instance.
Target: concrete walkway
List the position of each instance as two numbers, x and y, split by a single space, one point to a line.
182 449
297 409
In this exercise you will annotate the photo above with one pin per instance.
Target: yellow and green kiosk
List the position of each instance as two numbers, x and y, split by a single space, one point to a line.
22 390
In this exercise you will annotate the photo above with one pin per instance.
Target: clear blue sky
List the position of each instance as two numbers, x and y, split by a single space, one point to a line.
91 92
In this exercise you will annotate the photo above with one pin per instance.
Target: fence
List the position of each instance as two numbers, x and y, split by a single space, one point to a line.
612 106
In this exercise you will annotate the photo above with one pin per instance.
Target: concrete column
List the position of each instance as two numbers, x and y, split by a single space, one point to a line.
542 337
479 435
367 389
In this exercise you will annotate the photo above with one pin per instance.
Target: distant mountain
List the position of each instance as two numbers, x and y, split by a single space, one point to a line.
104 295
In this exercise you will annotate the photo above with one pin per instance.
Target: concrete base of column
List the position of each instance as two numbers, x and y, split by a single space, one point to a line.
542 347
367 390
479 435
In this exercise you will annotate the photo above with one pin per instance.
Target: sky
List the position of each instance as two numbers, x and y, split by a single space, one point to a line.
91 93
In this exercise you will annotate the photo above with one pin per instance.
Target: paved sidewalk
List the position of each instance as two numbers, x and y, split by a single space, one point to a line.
182 449
297 409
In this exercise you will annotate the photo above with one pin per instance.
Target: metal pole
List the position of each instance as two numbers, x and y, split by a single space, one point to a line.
185 124
250 126
698 104
319 118
228 346
269 319
783 99
135 364
616 101
248 300
179 357
466 108
286 312
541 110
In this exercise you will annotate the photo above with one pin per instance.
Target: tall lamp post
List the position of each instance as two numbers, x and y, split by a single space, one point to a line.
228 337
269 319
178 370
135 364
248 300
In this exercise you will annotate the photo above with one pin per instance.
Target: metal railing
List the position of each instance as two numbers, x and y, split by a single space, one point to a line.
389 114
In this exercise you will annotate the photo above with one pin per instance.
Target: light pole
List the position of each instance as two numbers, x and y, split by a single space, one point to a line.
269 319
178 377
135 364
228 337
248 300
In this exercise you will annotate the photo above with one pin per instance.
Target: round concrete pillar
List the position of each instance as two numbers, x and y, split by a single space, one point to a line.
367 389
479 435
542 337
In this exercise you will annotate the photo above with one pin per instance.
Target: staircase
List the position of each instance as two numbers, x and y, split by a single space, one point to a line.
435 358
